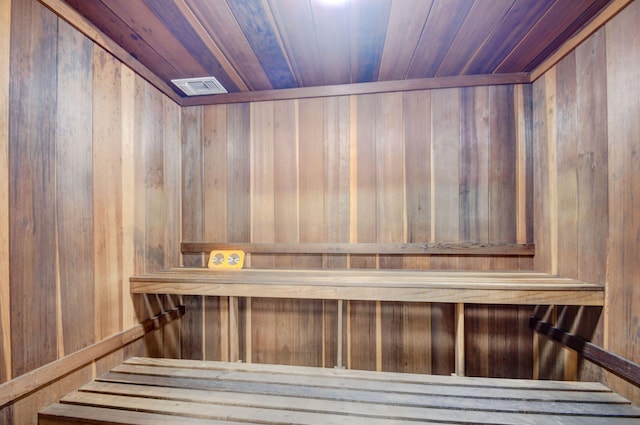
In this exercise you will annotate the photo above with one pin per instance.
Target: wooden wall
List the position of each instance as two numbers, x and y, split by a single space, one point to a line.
101 176
89 194
446 165
586 144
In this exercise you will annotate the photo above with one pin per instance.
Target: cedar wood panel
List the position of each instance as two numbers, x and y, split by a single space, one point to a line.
586 172
367 149
90 167
424 166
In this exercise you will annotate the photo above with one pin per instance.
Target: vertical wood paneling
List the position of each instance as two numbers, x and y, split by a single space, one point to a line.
262 178
171 147
593 181
150 120
622 320
192 178
74 189
502 165
417 140
361 316
32 192
287 211
192 223
239 210
363 167
445 210
582 178
312 175
107 172
366 211
544 157
89 143
510 342
191 330
239 160
172 167
215 179
592 150
262 332
5 305
337 141
215 219
390 200
315 196
390 175
567 166
216 323
128 163
524 157
547 362
338 181
149 198
585 114
445 167
475 145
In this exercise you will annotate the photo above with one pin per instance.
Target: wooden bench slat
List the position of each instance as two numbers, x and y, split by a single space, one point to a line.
394 394
428 386
58 413
358 377
375 285
362 403
232 393
224 412
291 414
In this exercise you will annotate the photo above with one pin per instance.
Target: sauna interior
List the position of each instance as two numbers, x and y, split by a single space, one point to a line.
107 172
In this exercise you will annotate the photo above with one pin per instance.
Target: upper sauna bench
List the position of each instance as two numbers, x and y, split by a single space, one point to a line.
470 287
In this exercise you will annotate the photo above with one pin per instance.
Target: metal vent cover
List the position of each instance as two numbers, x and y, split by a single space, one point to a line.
199 86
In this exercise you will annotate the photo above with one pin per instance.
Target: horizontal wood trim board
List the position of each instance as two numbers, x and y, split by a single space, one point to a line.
360 88
612 362
35 379
506 249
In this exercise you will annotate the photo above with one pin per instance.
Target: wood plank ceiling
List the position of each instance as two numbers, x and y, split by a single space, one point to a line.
256 45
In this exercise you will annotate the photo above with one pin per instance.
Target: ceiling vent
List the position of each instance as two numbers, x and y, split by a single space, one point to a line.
199 86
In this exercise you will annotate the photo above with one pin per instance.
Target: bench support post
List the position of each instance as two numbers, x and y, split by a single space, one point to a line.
459 335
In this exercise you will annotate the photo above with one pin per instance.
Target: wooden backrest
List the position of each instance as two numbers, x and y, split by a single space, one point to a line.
475 249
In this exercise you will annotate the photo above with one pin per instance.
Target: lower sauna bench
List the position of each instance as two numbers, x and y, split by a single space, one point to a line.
144 391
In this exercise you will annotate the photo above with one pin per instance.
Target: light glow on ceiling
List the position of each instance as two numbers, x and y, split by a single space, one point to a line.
333 3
